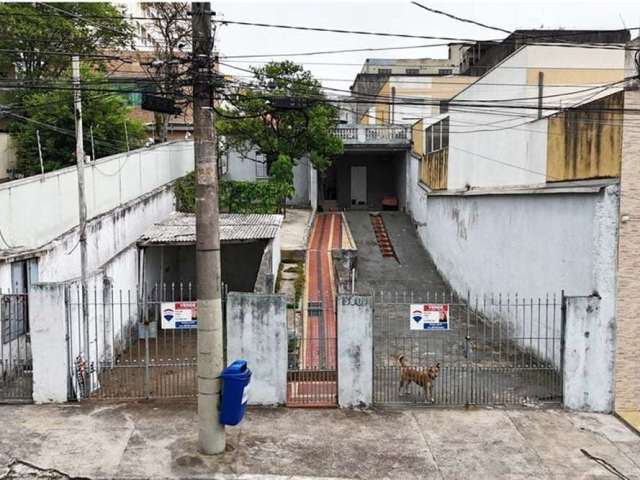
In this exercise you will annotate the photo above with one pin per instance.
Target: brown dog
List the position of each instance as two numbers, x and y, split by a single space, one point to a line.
422 377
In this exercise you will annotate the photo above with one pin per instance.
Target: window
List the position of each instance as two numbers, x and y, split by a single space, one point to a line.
437 136
261 167
445 133
412 71
445 71
384 71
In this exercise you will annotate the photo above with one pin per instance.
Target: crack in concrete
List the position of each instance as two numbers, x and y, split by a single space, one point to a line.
426 443
548 472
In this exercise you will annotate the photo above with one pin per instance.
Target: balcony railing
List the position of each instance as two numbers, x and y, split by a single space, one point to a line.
378 135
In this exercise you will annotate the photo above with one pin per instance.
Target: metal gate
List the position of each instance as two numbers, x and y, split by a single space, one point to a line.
125 350
312 371
498 350
16 379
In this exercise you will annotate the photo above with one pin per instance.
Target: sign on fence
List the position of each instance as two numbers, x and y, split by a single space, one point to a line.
429 316
179 315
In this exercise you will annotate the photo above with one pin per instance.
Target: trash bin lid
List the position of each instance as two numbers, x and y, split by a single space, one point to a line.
235 368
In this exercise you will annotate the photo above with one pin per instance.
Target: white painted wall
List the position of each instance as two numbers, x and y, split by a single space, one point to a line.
530 244
48 329
589 356
243 168
355 351
107 236
36 210
490 147
257 333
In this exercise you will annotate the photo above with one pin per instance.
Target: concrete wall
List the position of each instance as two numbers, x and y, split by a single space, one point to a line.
243 168
48 330
355 350
588 356
107 235
530 244
257 333
36 210
491 147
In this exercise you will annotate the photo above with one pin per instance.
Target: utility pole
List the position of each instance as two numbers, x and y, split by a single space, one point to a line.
211 438
40 153
82 204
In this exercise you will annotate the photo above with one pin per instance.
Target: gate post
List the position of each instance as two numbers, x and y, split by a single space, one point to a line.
355 350
47 321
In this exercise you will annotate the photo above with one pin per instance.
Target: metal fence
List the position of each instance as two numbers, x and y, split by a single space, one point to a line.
16 378
500 349
312 371
137 344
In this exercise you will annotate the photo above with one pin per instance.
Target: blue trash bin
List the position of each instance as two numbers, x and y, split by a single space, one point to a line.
235 380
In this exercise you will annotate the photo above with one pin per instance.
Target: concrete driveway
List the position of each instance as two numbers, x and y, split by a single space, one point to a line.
153 440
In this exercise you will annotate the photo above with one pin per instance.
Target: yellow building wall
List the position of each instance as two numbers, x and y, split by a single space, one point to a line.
417 138
586 143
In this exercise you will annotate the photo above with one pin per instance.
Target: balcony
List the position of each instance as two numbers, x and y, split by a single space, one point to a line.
370 136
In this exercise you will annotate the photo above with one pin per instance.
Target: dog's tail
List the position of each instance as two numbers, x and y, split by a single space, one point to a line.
401 360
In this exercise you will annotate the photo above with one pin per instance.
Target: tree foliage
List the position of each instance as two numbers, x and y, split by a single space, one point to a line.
243 197
31 31
52 114
171 24
283 112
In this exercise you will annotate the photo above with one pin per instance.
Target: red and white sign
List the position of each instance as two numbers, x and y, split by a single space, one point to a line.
179 315
429 316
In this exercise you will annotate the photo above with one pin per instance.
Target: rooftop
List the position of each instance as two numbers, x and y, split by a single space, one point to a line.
180 228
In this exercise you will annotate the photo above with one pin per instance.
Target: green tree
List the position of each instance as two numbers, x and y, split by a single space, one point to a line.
284 112
32 33
52 114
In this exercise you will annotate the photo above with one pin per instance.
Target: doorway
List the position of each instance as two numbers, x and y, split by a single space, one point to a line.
358 186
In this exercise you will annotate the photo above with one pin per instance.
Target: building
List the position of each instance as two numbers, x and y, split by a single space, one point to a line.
376 72
250 252
516 188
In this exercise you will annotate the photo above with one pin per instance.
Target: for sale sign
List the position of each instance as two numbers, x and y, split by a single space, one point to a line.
179 315
429 316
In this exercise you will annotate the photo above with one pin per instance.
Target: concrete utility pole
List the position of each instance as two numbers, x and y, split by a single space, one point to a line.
82 204
210 348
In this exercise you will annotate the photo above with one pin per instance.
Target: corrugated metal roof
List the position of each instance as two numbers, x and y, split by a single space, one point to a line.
180 228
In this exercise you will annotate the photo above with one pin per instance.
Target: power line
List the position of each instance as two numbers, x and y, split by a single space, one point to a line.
460 19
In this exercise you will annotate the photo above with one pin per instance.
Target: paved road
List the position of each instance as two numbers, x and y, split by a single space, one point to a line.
152 440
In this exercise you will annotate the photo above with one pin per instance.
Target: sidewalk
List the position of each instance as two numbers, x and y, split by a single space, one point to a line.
151 440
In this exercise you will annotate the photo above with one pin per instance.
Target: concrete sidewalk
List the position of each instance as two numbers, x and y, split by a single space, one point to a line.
152 440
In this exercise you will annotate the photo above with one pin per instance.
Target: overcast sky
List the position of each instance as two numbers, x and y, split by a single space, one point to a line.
394 16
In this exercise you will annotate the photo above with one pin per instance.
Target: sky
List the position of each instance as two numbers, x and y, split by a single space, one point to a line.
394 16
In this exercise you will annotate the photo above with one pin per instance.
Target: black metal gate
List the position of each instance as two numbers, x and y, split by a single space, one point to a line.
312 371
125 350
497 350
16 379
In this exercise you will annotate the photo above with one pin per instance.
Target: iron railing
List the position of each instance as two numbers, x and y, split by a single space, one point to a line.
500 349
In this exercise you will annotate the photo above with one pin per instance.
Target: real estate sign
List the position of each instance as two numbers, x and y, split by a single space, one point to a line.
179 315
429 316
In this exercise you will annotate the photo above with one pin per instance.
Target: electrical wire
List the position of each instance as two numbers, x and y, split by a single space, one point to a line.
460 19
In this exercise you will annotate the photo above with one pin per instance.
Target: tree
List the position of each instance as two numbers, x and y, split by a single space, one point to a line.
52 114
171 27
32 33
283 112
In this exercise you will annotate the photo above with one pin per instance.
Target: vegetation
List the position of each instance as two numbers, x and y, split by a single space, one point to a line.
31 33
52 115
283 112
36 39
243 197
